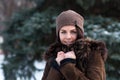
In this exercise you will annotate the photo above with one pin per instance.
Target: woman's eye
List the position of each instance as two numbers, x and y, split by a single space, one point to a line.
63 32
73 32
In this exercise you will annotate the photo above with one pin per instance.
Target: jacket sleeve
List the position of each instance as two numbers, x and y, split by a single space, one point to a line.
95 70
96 67
50 72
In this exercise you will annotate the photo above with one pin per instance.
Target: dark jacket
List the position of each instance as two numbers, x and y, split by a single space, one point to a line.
89 64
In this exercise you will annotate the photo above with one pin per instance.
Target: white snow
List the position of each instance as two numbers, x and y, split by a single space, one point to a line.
1 71
38 74
39 65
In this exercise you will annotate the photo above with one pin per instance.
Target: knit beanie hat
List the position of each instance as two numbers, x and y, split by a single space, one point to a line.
69 17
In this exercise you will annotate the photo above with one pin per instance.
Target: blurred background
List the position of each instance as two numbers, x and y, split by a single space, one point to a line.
27 28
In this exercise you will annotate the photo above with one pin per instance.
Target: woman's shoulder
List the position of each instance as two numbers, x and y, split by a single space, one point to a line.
95 43
92 45
89 42
98 46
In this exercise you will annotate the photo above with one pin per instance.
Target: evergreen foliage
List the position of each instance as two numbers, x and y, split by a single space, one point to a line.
29 33
25 41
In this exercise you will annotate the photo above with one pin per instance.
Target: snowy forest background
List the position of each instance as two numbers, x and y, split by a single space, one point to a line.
27 28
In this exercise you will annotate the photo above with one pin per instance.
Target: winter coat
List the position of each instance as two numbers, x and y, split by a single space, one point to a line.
89 64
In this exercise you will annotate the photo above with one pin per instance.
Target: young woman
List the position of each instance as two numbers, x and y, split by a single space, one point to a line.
72 57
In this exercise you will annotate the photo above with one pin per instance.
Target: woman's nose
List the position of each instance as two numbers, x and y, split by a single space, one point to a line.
68 36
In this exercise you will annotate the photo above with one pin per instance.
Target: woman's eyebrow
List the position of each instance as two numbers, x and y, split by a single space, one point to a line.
63 30
74 30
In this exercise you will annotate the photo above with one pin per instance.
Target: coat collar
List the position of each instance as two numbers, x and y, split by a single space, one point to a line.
82 48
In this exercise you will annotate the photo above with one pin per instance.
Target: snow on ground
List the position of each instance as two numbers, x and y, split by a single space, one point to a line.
38 74
1 72
39 65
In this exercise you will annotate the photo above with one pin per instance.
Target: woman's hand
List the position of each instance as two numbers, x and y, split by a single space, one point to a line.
70 54
60 56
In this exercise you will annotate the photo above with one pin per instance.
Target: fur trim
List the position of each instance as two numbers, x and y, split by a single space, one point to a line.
82 48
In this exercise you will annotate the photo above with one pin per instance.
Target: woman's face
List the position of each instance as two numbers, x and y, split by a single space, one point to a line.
68 35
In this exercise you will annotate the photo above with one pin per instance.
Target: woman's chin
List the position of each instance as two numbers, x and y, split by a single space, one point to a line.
68 44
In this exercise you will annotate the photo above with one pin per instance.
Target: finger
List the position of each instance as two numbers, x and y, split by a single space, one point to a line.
60 54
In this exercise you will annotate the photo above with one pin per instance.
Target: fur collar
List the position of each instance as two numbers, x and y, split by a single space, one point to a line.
81 47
